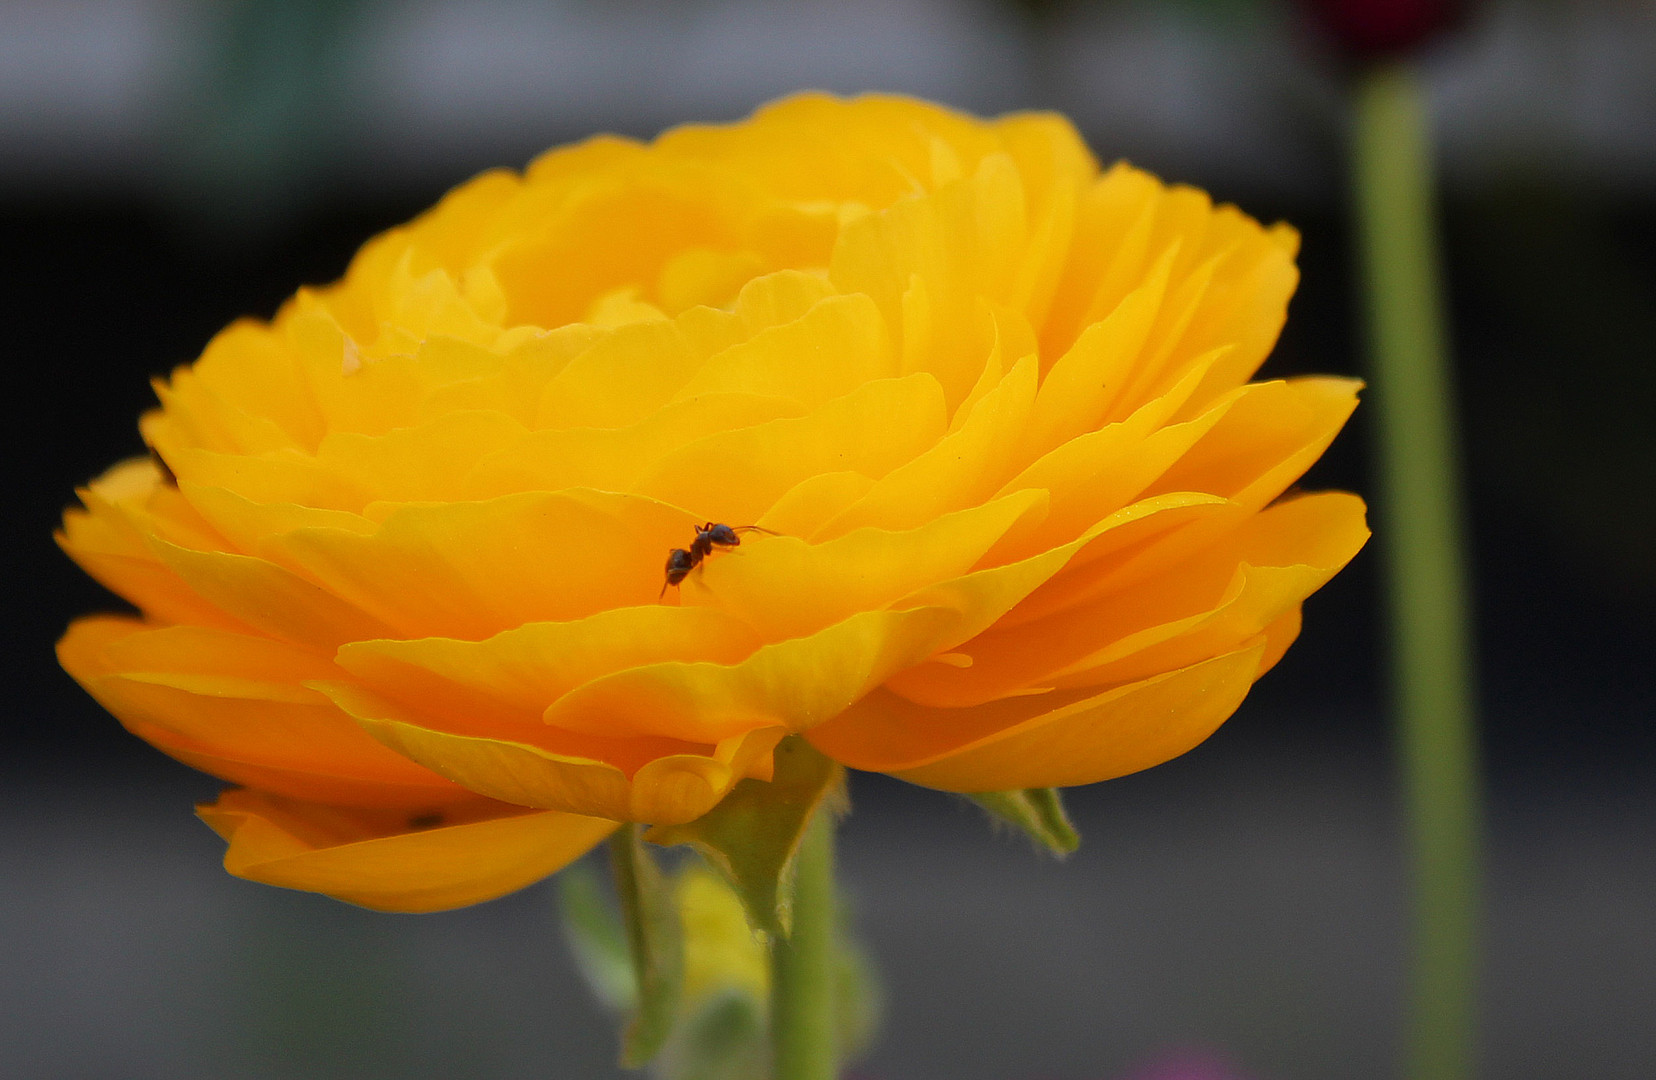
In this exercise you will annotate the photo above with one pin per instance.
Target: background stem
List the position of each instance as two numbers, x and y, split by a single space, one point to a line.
802 966
1421 503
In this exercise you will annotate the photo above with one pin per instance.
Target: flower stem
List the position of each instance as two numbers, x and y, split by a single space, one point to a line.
1421 500
802 966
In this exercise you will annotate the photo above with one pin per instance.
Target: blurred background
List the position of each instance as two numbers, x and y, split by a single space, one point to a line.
168 165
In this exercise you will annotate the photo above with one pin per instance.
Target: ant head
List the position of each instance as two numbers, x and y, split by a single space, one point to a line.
722 534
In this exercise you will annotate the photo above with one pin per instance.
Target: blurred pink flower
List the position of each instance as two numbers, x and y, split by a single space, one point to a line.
1187 1065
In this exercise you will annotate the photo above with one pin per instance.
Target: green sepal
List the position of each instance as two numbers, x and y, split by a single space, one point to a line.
1037 812
752 836
655 940
597 937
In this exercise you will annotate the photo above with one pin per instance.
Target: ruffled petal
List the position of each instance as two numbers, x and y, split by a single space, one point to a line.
963 469
112 539
625 376
864 570
268 598
235 706
657 780
1265 441
134 572
1281 557
1085 381
1031 742
1093 475
410 861
470 570
1198 608
838 345
804 681
736 476
614 459
516 674
957 246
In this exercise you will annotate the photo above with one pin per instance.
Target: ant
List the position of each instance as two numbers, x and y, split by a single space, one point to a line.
710 535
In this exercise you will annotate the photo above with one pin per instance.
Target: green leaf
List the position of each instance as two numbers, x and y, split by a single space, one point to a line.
753 834
597 937
1037 812
655 939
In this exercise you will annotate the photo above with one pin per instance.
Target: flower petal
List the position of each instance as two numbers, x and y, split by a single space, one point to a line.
1286 553
960 243
235 706
625 376
1093 475
470 570
125 565
519 672
795 684
427 462
246 367
613 459
814 501
1111 235
1204 606
655 780
863 570
804 681
963 469
1266 439
1129 546
735 476
1084 382
838 345
269 598
391 861
1027 742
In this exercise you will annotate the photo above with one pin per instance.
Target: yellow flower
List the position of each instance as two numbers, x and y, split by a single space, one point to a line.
401 572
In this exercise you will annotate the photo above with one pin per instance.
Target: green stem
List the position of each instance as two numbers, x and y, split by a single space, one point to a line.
802 965
1421 500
